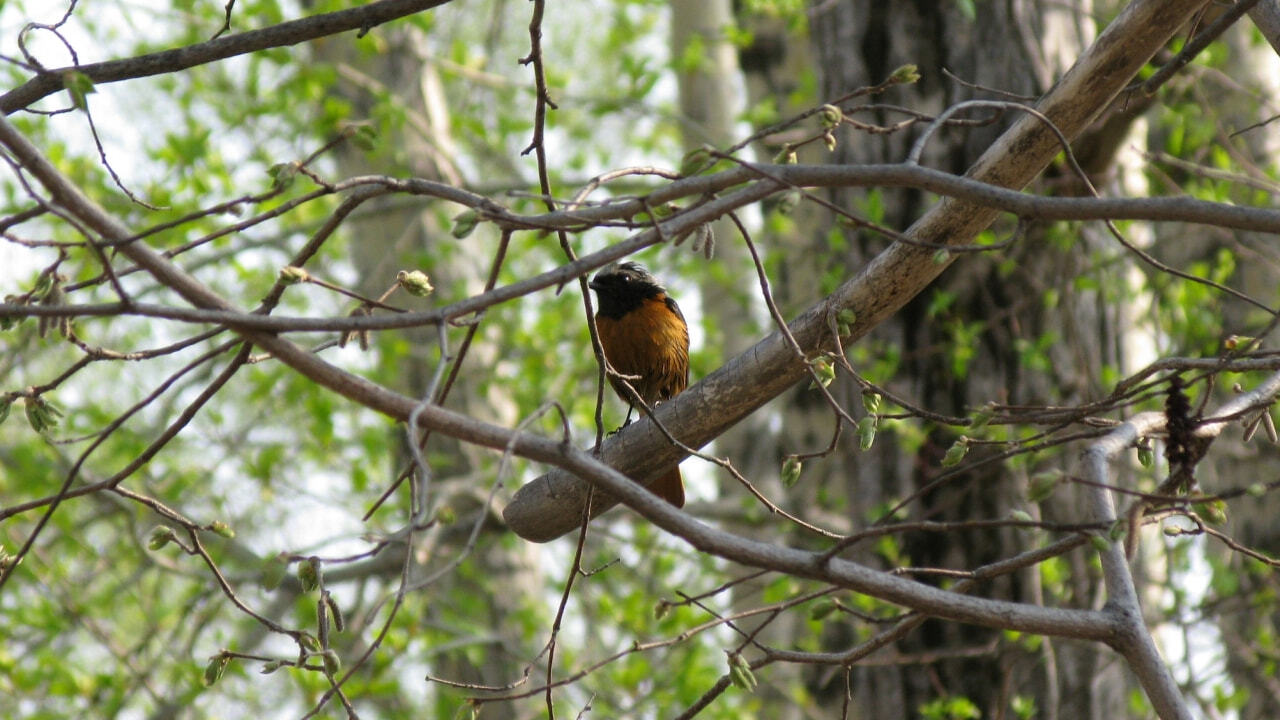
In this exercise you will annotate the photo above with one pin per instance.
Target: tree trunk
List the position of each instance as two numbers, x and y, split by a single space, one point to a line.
983 334
393 236
1245 617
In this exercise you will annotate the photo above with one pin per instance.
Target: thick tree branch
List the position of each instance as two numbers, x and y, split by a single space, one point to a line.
48 82
551 505
1266 16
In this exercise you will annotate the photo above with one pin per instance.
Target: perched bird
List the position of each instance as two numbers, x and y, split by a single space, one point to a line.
644 336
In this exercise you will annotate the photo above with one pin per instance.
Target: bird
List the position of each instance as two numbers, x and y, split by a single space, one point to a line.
644 336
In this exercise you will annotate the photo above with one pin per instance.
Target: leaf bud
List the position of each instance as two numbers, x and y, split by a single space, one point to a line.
695 161
309 573
956 452
831 116
464 223
906 74
160 536
791 468
292 275
866 432
415 282
215 667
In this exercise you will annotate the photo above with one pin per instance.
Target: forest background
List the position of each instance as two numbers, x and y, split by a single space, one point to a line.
299 391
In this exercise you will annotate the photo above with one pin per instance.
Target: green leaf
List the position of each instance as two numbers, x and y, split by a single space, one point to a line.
415 282
309 574
1043 484
822 609
464 223
79 86
42 415
215 667
979 420
695 161
740 673
290 275
866 432
282 175
1213 511
1119 528
791 467
160 536
362 135
273 571
332 664
871 401
823 371
910 74
830 116
956 452
1146 456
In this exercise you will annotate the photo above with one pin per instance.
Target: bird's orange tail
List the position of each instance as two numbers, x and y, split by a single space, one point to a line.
670 487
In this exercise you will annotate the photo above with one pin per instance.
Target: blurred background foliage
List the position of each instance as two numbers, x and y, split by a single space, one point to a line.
96 624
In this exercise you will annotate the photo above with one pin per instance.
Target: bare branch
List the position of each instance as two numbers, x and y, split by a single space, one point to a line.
284 34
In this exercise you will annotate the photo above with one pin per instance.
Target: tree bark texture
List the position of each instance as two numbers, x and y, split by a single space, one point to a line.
976 336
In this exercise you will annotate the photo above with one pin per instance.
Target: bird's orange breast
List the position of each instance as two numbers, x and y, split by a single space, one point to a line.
651 342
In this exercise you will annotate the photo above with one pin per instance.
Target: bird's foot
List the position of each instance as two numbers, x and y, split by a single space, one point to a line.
618 429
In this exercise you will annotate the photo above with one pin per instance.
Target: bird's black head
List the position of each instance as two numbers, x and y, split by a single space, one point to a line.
621 287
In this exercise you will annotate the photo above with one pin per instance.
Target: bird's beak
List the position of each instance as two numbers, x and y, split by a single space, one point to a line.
593 284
